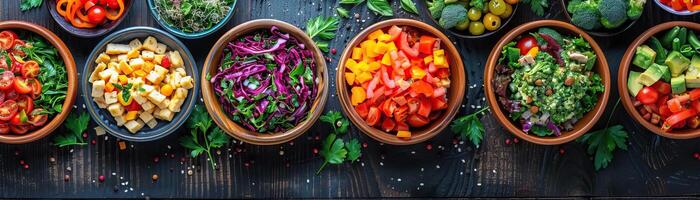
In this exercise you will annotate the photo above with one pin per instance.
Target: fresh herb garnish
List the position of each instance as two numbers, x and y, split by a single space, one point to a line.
470 127
76 124
324 28
343 12
202 139
381 7
603 142
29 4
351 1
409 6
334 149
537 6
126 90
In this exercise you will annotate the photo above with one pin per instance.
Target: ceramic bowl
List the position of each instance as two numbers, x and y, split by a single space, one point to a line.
71 74
214 106
424 12
102 116
87 32
601 32
672 11
623 72
455 93
182 34
584 124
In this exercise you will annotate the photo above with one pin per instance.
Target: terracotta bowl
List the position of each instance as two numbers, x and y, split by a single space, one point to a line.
455 93
602 32
585 123
623 72
87 32
71 74
234 129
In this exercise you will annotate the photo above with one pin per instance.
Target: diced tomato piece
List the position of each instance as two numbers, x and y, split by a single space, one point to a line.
443 73
662 87
401 113
388 124
675 105
439 103
426 44
362 109
373 116
425 108
664 111
422 87
693 122
695 105
694 94
388 107
395 32
652 108
406 48
401 126
417 121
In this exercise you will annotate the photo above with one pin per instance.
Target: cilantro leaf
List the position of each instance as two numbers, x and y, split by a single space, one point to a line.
602 143
199 124
343 12
409 6
537 6
76 124
353 147
469 127
29 4
380 7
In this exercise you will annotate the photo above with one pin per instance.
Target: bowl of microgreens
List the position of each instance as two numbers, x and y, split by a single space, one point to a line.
192 19
39 82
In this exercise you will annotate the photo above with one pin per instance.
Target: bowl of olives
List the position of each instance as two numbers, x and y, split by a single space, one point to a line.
470 18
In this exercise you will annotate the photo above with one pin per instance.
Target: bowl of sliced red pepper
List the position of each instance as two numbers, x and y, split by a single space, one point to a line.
88 18
400 81
679 7
660 79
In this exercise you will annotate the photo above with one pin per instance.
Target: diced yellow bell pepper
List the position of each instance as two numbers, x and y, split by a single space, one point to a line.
439 53
369 46
363 77
427 60
123 79
403 134
380 48
417 73
124 102
356 53
533 51
148 66
374 66
386 60
350 78
375 35
140 73
392 47
131 115
362 66
358 95
351 65
439 59
133 54
125 68
384 38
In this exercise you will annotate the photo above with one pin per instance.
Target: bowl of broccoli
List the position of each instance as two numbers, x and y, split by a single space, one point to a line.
469 18
603 17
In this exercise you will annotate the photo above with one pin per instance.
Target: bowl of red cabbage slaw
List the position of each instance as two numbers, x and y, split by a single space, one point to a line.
265 82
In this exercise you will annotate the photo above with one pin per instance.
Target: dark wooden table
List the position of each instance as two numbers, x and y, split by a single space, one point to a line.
653 166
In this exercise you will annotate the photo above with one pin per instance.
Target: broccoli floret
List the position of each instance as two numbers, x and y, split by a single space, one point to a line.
452 15
613 13
477 4
436 7
584 14
635 9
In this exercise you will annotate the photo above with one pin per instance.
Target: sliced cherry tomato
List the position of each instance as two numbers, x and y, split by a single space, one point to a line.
417 121
21 86
12 33
426 44
662 87
4 128
6 40
25 103
425 108
16 64
165 62
388 107
134 106
96 14
373 116
30 69
362 110
38 117
401 113
388 124
11 95
680 117
20 118
6 80
36 87
395 32
648 95
20 130
113 4
526 43
8 109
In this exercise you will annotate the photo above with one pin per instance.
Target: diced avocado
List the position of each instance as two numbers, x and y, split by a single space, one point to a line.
692 76
644 56
652 74
695 62
678 84
632 84
677 63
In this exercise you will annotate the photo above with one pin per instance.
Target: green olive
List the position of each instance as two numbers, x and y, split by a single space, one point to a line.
507 13
497 7
463 25
476 28
491 22
474 14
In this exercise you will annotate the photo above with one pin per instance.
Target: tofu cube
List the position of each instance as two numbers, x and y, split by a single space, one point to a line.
136 63
148 55
100 101
134 125
102 58
146 89
156 97
135 44
145 116
164 114
154 77
187 82
106 74
175 59
140 99
111 97
113 49
160 70
161 48
175 79
95 73
164 104
122 57
152 124
114 78
175 105
147 106
98 88
181 71
120 120
116 110
99 130
150 43
158 58
180 93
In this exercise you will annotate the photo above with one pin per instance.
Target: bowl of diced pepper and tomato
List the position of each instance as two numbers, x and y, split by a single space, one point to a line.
679 7
547 82
660 79
88 18
37 82
400 81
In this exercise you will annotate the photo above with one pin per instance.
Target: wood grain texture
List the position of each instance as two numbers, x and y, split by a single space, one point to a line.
653 166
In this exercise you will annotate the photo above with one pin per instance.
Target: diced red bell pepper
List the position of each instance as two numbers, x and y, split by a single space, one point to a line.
406 48
439 103
675 105
680 117
422 87
426 45
388 124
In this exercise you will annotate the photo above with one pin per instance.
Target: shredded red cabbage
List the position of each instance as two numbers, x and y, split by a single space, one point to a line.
266 81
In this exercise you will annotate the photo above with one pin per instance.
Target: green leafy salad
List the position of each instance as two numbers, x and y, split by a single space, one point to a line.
192 16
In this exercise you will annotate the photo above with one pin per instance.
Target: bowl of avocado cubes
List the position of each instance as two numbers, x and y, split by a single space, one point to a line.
662 72
603 18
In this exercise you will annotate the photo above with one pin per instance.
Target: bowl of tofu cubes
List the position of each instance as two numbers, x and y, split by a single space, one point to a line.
138 84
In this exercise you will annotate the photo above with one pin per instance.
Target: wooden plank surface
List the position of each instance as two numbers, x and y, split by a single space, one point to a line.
653 166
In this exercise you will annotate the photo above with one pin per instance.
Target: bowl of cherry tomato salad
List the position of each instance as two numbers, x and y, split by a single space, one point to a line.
547 82
400 81
88 18
659 76
37 82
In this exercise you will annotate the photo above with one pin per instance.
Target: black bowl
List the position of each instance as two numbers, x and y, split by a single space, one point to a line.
87 32
423 10
601 32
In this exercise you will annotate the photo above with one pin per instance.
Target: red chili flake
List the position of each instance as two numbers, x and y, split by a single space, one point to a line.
101 178
156 159
21 162
93 141
246 164
317 137
333 50
508 141
315 150
429 147
182 159
85 134
364 145
561 151
516 140
238 149
26 166
696 155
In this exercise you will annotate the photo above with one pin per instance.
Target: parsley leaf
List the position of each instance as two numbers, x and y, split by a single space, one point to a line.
76 124
602 143
409 6
353 150
470 127
199 124
343 12
380 7
29 4
324 28
334 150
537 6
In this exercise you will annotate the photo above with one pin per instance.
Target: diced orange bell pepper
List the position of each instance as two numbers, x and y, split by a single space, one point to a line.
368 47
384 38
358 95
351 65
363 77
403 134
167 90
427 60
109 87
380 48
533 51
131 115
694 8
123 79
375 35
386 60
350 78
356 53
374 66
